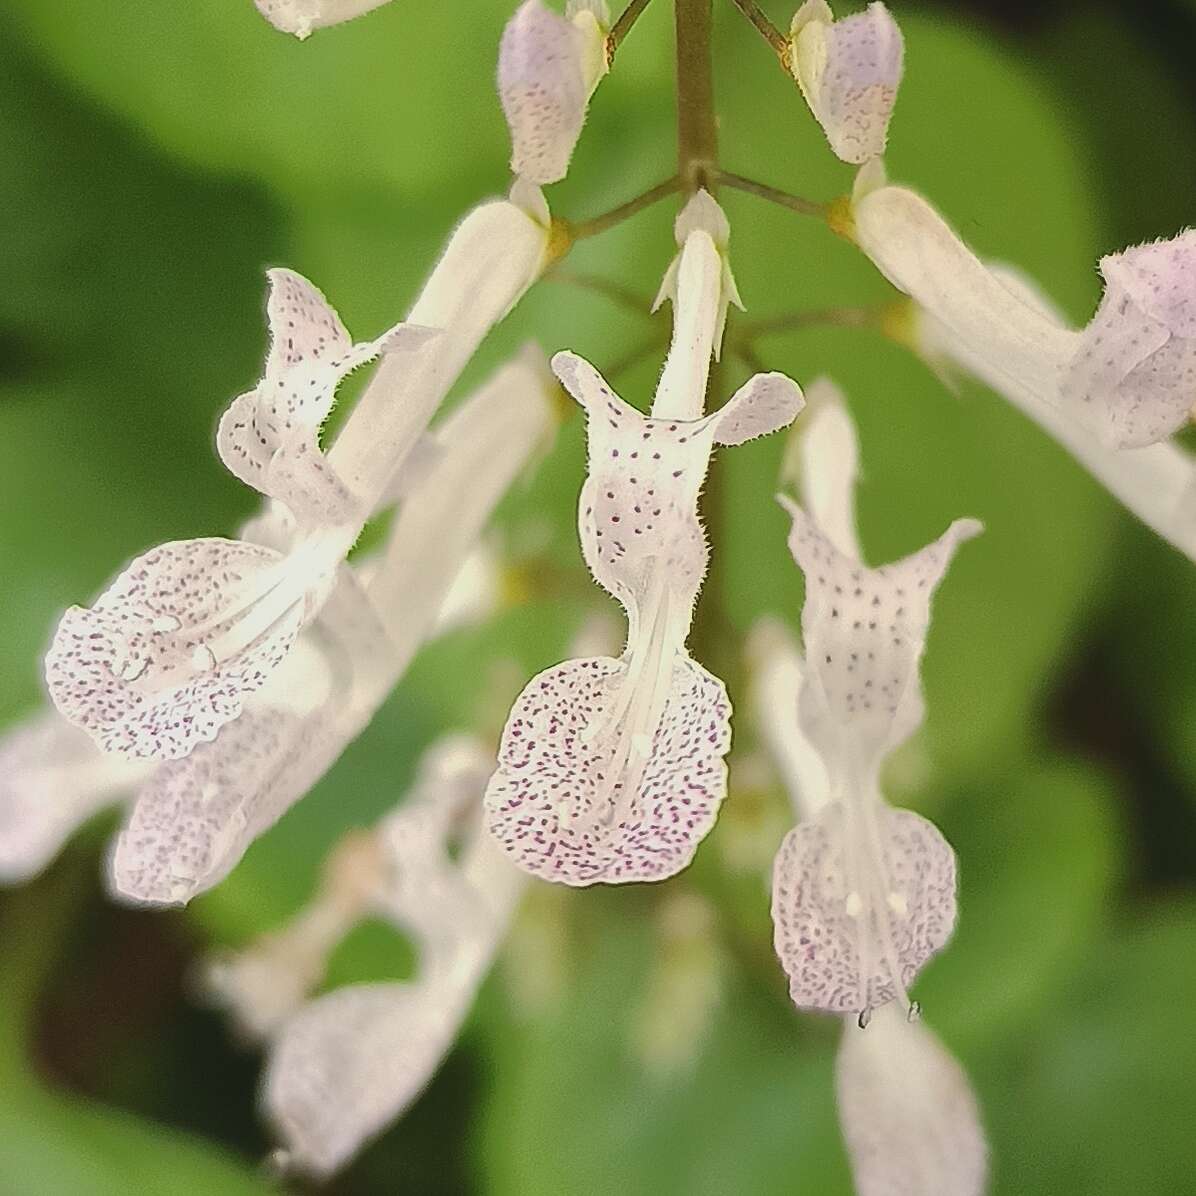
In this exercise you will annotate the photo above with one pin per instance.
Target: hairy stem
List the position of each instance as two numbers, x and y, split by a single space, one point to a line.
697 130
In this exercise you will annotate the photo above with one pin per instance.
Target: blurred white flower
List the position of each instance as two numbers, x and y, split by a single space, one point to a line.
863 894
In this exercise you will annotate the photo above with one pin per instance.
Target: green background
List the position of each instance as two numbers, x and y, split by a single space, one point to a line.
155 156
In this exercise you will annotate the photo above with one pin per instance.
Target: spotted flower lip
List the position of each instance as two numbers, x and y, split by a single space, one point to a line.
170 652
863 894
303 17
612 769
548 67
999 327
193 820
849 71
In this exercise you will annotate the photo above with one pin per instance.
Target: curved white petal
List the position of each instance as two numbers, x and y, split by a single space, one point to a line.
1157 483
543 88
862 896
864 631
302 17
848 71
1133 380
829 466
493 256
764 404
778 672
908 1113
53 778
919 254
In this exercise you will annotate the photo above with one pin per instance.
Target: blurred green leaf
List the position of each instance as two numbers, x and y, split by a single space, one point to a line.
51 1141
1104 1081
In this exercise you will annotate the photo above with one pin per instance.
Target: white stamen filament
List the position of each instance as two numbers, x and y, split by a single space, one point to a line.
635 714
257 608
872 883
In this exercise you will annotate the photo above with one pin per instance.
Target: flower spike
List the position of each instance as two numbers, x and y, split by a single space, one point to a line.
548 67
849 71
612 769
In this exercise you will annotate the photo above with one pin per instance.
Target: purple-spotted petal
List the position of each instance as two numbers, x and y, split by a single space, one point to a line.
846 913
1133 378
639 505
555 811
195 819
542 86
908 1113
268 437
864 632
350 1062
849 71
764 404
144 670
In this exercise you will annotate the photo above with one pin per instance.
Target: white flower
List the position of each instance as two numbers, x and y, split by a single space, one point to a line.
999 328
342 1066
301 17
849 71
863 894
548 67
907 1111
193 821
612 769
167 655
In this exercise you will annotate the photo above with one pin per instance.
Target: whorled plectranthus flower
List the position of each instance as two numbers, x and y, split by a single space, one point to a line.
167 655
53 779
863 894
907 1112
612 769
548 68
849 71
1125 379
302 17
193 820
343 1065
